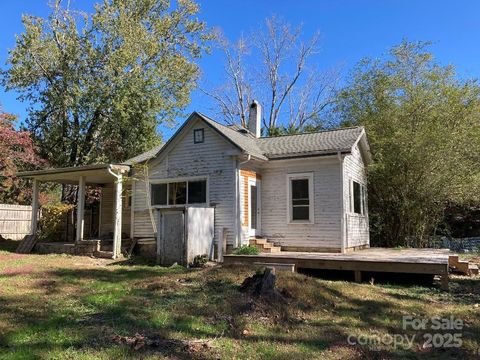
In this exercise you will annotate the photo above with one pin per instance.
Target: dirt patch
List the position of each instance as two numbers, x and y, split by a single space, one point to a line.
4 257
18 271
149 342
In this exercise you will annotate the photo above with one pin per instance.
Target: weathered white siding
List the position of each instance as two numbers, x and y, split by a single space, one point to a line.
211 159
357 228
107 209
200 232
325 231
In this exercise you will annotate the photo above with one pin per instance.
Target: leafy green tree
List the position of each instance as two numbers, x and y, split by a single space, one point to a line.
99 84
423 124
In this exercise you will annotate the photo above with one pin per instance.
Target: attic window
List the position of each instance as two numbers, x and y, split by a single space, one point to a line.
198 136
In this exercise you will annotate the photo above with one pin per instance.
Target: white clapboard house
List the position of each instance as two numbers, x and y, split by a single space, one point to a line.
214 183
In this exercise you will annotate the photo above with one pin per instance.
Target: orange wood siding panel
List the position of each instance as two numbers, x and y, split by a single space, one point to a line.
245 176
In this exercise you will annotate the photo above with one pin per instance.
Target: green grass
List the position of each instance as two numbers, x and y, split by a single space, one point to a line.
62 307
247 250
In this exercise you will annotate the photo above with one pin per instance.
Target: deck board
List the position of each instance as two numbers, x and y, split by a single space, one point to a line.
421 261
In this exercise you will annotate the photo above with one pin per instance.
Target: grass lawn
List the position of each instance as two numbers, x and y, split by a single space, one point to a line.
61 307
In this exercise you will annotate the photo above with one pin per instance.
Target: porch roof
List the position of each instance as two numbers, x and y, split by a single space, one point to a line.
94 174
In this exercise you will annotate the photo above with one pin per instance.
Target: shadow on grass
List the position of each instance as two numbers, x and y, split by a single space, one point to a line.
136 260
86 309
8 245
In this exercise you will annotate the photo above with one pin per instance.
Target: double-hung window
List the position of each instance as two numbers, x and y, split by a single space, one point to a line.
357 198
300 198
179 193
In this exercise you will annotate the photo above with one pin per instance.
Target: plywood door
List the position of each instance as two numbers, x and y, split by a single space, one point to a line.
173 230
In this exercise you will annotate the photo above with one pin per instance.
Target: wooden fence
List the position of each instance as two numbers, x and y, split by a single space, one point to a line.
15 221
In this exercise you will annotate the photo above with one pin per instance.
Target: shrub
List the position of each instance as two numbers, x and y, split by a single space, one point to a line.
51 225
247 250
200 261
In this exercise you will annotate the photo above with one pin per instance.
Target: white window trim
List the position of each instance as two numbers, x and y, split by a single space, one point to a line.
180 179
311 197
363 199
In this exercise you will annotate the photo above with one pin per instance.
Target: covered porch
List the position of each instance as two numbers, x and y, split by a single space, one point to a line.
113 212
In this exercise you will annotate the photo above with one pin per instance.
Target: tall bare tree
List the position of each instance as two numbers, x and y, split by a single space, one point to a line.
275 66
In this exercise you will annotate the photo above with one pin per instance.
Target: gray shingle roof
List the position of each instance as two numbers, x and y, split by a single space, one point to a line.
287 146
244 141
144 156
310 144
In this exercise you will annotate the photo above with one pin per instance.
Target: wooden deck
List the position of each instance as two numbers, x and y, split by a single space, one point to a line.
413 261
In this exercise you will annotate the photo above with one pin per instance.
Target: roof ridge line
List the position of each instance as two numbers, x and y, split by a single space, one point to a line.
312 133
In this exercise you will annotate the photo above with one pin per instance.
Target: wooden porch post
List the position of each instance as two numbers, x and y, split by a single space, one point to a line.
34 220
117 227
80 209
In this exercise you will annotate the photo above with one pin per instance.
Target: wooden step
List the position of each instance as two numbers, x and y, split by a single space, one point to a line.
452 260
473 269
273 249
259 241
463 266
27 244
103 254
264 245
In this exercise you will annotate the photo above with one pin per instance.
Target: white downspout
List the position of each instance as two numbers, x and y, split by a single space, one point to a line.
343 221
244 162
117 229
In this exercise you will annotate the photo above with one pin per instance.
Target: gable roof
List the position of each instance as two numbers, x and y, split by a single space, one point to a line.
245 142
274 148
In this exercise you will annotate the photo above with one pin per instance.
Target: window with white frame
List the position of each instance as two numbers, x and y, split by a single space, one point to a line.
300 198
179 193
357 198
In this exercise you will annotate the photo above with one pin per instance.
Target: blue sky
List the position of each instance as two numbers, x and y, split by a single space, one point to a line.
350 31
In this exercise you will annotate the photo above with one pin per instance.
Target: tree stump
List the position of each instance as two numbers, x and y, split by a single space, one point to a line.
261 284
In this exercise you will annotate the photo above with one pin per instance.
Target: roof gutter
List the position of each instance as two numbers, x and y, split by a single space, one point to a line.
72 169
249 157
